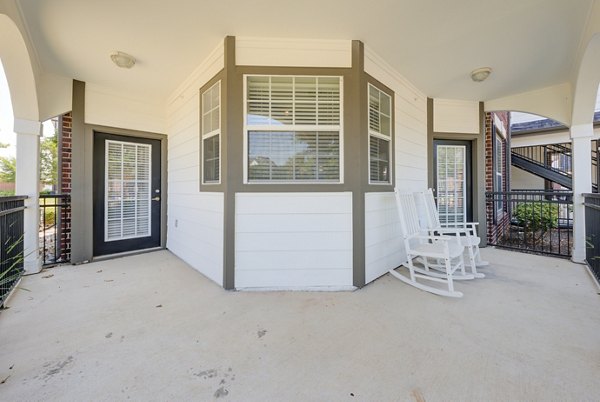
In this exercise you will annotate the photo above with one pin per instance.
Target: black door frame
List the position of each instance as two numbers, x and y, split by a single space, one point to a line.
468 168
100 247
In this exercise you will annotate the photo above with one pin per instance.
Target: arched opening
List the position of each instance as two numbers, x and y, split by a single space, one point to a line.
8 140
18 70
24 101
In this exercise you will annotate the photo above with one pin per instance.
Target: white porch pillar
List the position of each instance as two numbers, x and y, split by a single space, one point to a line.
581 136
27 183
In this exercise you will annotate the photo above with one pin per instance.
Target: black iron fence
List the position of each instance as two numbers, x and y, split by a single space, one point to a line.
533 221
55 228
592 232
11 244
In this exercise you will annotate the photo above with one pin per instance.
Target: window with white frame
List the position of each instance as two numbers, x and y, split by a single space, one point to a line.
293 128
498 171
380 136
211 135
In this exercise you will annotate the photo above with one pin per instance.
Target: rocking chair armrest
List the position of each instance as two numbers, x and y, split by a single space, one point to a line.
465 225
455 231
434 238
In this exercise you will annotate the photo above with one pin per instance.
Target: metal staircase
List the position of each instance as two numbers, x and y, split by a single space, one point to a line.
553 162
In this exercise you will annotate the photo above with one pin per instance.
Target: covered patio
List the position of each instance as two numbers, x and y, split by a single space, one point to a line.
149 327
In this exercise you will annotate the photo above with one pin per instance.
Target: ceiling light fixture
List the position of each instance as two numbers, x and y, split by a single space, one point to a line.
122 60
480 74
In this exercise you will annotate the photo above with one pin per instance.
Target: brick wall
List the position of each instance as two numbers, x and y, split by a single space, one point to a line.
65 153
64 174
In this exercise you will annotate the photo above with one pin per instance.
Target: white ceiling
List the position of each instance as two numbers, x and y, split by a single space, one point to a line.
434 43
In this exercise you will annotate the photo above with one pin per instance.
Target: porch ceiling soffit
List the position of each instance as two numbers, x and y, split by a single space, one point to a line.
433 44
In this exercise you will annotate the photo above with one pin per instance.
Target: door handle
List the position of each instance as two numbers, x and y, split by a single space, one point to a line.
156 199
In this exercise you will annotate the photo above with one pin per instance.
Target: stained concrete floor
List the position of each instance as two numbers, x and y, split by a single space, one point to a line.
149 327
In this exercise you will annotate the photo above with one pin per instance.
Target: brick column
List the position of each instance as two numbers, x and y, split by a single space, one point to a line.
497 224
64 177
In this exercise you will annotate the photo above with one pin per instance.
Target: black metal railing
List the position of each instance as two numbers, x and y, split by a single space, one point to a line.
592 232
11 243
55 228
532 221
556 157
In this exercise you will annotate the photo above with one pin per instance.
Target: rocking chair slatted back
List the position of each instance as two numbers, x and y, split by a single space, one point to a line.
433 220
409 217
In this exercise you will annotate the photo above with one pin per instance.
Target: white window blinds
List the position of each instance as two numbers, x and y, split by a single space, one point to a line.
306 101
293 127
127 190
380 135
211 134
380 112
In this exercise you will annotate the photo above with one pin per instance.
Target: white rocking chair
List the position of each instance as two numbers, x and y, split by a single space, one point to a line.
466 232
438 248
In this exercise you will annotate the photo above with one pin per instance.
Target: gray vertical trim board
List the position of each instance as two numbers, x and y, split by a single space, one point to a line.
356 157
81 235
230 104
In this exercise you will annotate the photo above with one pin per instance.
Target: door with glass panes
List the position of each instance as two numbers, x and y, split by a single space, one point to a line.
126 193
452 180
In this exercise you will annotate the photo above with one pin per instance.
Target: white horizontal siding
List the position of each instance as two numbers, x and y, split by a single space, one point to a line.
195 219
455 116
107 107
196 233
293 240
410 110
384 249
293 52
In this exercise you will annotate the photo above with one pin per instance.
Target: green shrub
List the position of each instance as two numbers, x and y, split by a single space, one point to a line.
537 215
49 217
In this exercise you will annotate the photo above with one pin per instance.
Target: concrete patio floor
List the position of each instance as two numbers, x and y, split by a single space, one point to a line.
148 327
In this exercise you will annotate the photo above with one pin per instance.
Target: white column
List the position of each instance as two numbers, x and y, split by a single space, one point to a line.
581 136
27 183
